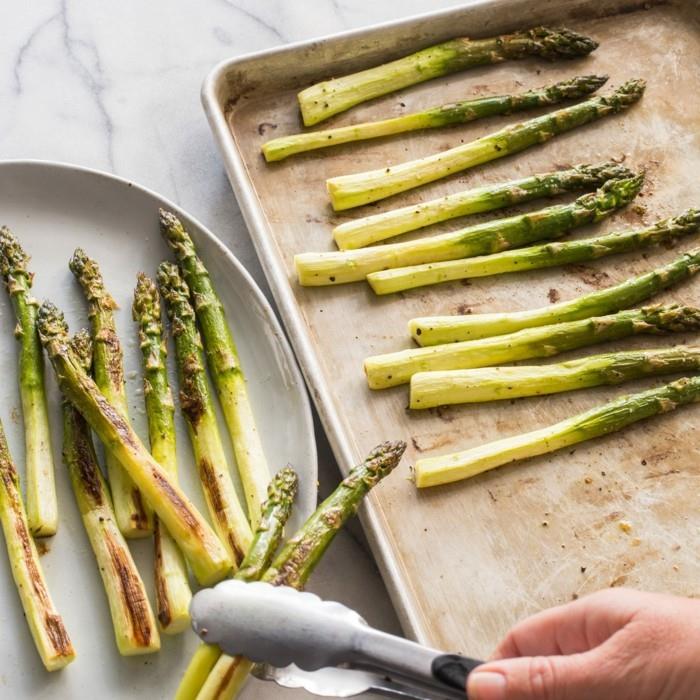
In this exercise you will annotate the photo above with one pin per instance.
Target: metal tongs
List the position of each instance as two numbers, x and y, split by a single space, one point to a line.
321 646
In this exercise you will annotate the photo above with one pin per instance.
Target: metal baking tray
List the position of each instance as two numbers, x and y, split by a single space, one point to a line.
465 561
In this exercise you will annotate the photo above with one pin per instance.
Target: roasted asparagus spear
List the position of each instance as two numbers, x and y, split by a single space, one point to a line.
298 558
133 514
225 509
354 190
599 421
330 97
429 389
224 364
42 507
314 269
435 330
134 624
444 115
45 624
397 367
196 539
362 232
173 594
535 257
275 513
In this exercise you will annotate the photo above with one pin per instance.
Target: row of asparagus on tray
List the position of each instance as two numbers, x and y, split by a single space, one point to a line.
141 492
461 358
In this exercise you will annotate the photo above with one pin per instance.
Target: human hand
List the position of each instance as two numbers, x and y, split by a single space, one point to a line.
616 644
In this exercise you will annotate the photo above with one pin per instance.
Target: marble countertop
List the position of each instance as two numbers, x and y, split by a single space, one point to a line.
115 86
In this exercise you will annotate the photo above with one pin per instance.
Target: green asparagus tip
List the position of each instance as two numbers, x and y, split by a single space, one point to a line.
579 86
674 318
381 461
628 93
51 323
602 172
13 259
283 487
174 290
81 345
146 306
686 222
557 43
171 227
613 194
87 271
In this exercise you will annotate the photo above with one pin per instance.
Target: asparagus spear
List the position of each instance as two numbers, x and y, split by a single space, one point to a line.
435 330
204 551
330 97
226 511
275 513
173 594
535 257
133 514
378 227
456 386
349 191
599 421
397 367
225 366
314 269
132 618
444 115
42 508
45 624
298 558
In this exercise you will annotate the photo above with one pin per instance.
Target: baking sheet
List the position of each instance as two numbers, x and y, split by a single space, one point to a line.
465 561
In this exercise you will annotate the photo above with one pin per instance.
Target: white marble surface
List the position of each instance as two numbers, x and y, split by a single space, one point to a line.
115 86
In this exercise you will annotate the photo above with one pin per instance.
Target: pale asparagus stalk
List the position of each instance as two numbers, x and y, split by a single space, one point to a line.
225 509
42 506
349 191
316 269
434 117
535 257
134 624
173 593
397 368
436 330
224 364
366 230
430 389
602 420
196 539
330 97
45 624
133 513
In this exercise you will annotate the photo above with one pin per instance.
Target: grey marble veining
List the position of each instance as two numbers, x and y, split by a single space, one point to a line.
115 86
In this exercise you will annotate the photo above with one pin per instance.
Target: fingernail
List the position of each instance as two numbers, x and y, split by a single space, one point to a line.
487 686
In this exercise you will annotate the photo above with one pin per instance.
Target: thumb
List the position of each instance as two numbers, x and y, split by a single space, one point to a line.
534 678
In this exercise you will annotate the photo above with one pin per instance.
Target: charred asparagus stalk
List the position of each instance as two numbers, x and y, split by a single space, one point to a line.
132 618
362 188
444 115
173 594
330 97
298 558
133 514
42 507
535 257
224 364
378 227
45 624
225 509
599 421
435 330
314 269
275 513
429 389
398 367
200 545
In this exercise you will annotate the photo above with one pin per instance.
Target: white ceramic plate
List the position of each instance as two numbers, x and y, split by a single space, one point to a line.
54 208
